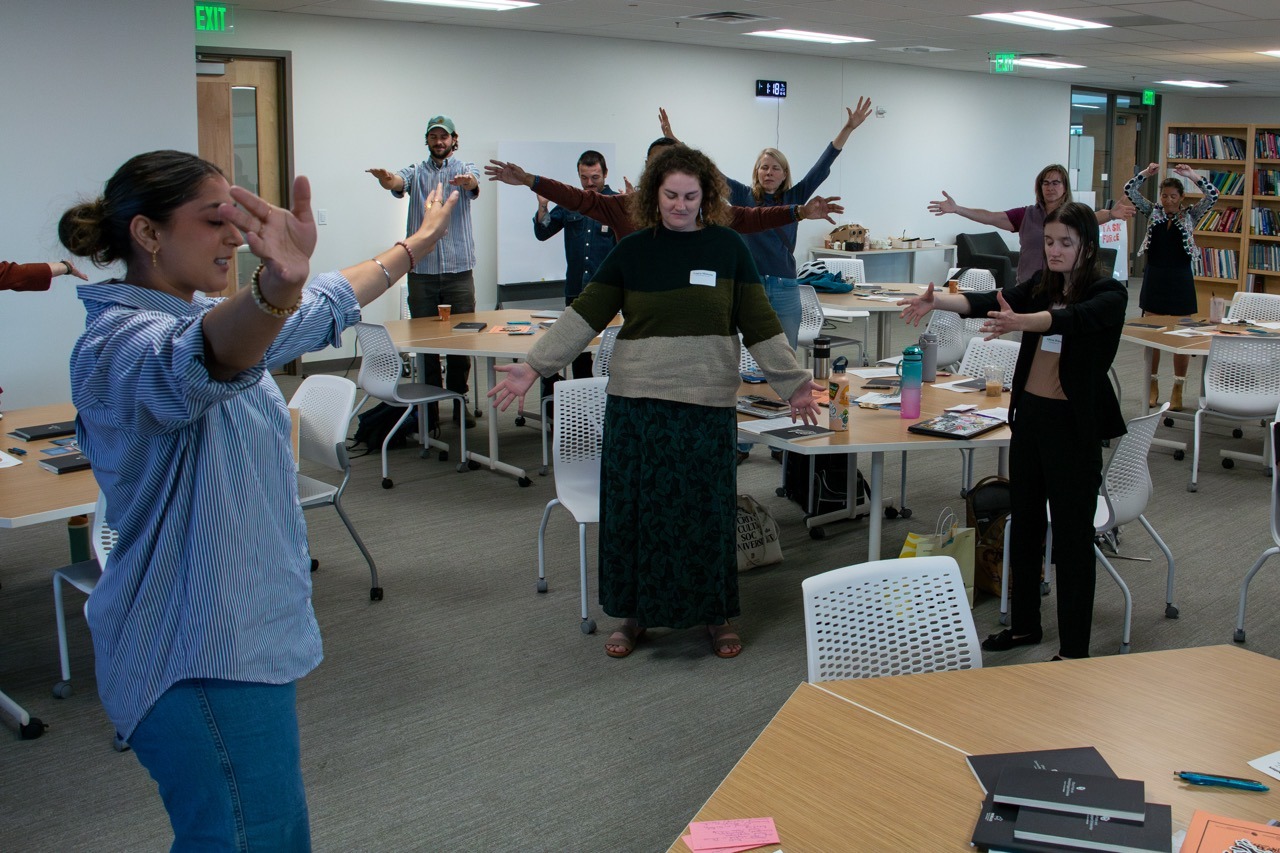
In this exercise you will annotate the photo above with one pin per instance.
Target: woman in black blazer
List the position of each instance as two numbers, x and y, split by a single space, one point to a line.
1062 408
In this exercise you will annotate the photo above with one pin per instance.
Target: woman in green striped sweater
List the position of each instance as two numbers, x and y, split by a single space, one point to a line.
687 288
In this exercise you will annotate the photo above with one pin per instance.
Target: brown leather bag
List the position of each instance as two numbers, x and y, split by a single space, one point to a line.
987 507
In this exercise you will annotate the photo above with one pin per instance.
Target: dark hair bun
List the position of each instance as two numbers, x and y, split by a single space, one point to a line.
80 230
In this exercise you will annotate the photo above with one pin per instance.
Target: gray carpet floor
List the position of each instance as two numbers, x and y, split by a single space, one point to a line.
467 712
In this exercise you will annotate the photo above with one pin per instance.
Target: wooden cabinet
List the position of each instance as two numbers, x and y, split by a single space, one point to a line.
1239 240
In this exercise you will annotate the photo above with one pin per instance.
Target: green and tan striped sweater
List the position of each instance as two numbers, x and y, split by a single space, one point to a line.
684 298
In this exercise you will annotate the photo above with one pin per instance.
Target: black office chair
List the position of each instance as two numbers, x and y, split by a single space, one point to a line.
1107 261
988 252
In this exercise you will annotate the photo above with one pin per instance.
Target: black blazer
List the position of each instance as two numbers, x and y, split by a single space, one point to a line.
1090 332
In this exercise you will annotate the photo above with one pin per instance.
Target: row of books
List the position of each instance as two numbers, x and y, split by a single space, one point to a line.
1206 146
1264 221
1228 183
1217 263
1225 220
1266 182
1266 145
1264 256
1070 799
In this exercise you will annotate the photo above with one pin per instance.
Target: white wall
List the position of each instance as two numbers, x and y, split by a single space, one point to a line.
83 92
1185 109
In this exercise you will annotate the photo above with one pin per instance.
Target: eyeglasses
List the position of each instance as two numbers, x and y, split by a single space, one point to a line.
1051 183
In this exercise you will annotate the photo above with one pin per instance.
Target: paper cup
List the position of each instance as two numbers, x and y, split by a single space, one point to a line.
445 312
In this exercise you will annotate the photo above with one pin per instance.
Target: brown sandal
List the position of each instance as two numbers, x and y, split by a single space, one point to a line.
626 638
723 641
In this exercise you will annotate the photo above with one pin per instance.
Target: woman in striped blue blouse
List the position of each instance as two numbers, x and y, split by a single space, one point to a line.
202 620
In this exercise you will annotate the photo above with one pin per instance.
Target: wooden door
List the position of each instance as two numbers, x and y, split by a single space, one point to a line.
241 116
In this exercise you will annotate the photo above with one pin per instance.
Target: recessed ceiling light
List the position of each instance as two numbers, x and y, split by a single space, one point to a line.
1192 84
1045 63
483 5
804 35
1042 21
1275 53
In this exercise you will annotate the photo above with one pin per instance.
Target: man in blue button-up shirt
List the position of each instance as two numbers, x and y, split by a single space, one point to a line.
586 241
443 276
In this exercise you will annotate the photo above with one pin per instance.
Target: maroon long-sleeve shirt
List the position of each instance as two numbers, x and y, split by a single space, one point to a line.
24 276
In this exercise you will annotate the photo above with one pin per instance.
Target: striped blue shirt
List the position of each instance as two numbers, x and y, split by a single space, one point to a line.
456 250
210 577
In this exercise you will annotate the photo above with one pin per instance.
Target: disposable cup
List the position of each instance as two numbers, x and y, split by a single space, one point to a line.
445 312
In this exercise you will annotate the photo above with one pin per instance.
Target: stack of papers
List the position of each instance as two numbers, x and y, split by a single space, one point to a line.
730 836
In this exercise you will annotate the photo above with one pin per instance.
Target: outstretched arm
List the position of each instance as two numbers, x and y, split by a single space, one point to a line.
855 117
389 180
994 218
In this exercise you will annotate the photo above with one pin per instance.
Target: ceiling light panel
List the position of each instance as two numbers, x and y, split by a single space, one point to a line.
480 5
1041 21
805 35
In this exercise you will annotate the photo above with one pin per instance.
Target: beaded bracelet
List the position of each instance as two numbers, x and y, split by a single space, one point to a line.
264 304
413 262
386 272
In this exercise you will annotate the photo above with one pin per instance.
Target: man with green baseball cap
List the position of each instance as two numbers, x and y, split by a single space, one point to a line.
444 276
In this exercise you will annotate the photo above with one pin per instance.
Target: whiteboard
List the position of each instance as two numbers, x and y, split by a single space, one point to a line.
520 256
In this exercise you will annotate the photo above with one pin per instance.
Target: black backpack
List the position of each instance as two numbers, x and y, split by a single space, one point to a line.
373 425
987 507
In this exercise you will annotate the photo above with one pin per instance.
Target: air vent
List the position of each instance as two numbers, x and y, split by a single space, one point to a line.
918 48
729 18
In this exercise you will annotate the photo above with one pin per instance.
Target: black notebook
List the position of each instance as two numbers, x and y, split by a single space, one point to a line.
1076 759
469 326
66 464
34 433
956 425
1078 793
1092 832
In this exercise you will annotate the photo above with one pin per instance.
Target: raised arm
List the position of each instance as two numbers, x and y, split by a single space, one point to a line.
856 117
994 218
1201 207
1133 189
388 180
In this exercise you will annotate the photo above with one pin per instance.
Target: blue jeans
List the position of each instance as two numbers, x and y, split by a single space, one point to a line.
784 296
226 757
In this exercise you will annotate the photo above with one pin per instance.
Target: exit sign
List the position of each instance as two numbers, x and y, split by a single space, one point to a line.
1002 63
1149 97
213 18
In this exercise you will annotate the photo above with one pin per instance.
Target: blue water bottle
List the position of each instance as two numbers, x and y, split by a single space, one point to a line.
911 369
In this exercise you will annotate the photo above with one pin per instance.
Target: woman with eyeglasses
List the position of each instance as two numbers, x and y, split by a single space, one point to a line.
1052 192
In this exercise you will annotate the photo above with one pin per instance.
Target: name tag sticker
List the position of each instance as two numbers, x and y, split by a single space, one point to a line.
706 278
604 229
1051 343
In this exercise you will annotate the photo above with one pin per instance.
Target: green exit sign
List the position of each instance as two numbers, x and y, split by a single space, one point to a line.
1149 97
1002 63
213 18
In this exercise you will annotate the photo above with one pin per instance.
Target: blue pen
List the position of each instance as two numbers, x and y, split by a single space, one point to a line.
1220 781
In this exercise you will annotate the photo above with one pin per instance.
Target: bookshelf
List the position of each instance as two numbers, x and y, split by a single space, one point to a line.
1239 239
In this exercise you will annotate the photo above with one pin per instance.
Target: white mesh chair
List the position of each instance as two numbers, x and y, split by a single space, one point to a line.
889 617
949 329
1126 491
853 271
405 314
380 367
978 354
974 280
811 322
1241 382
576 448
1255 308
1275 533
599 367
325 404
84 577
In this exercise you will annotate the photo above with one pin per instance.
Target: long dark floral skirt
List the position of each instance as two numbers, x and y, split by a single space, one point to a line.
668 513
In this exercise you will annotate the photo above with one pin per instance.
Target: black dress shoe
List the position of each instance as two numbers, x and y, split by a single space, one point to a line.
1005 640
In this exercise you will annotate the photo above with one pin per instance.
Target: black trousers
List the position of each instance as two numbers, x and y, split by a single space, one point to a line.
1051 460
426 293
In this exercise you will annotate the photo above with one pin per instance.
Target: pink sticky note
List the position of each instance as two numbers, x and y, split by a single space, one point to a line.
688 840
740 834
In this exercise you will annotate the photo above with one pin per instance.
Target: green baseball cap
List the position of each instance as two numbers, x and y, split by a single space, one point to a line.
441 121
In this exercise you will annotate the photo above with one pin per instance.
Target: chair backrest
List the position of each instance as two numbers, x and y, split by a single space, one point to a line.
380 362
600 367
952 341
811 317
404 301
746 361
850 269
974 278
1275 477
1107 261
979 353
325 403
1242 375
104 535
889 617
1126 482
578 441
1255 307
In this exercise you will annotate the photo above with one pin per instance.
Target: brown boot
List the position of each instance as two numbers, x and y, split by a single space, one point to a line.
1154 399
1175 396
